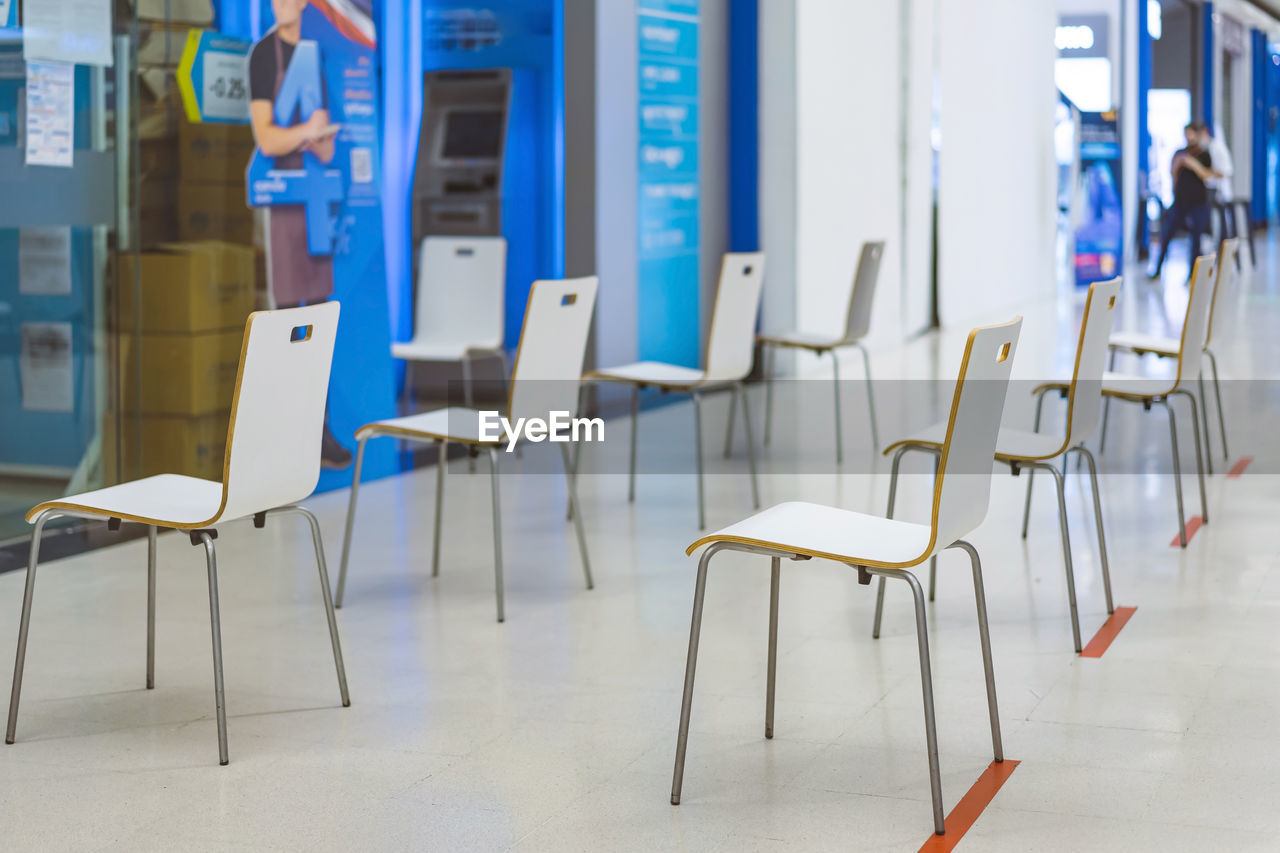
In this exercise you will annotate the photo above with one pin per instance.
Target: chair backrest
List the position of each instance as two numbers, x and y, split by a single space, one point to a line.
1228 257
963 485
553 348
277 413
1195 328
1084 397
461 290
858 319
732 337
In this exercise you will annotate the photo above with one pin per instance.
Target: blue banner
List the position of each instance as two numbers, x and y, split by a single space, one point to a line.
325 226
668 191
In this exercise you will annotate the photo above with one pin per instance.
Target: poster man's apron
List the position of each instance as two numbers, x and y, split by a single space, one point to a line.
297 276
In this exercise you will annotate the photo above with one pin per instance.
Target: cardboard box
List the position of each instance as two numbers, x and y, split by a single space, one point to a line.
195 12
215 154
187 287
173 444
214 212
181 374
157 161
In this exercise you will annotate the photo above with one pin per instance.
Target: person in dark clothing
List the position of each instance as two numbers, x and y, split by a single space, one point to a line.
295 276
1192 167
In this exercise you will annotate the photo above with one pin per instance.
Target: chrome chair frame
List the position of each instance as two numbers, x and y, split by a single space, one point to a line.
1161 400
922 641
200 537
1015 468
738 392
374 431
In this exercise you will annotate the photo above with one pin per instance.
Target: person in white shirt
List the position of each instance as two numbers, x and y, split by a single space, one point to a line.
1222 187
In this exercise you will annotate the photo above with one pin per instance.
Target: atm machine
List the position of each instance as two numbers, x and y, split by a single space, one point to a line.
457 187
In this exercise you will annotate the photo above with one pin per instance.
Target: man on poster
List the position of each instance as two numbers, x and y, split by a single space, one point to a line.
297 274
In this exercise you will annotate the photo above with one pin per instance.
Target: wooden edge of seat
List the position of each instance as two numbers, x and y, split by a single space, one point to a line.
377 428
800 552
912 442
66 508
790 344
1056 385
598 376
1137 350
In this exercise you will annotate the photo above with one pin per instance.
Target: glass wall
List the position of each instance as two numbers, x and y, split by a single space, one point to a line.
128 257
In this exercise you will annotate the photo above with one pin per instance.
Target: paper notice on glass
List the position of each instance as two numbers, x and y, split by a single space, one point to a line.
75 31
44 261
46 368
50 113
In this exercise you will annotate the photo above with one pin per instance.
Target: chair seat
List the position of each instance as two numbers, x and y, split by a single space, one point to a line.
656 373
439 350
165 500
456 424
1011 444
1140 343
1134 387
829 533
803 340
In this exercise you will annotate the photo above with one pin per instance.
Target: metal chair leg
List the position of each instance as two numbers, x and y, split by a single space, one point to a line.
635 429
571 483
351 518
893 494
467 400
691 664
1026 510
768 395
871 399
1217 392
1066 553
933 561
1200 456
408 383
1097 517
697 447
323 568
151 607
1177 472
1204 419
1106 409
442 464
980 597
497 534
926 689
751 445
729 425
216 627
835 375
24 626
775 573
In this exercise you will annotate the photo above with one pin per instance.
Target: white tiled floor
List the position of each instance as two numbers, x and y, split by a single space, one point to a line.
556 730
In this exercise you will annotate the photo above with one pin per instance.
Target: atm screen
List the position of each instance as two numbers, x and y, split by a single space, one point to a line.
472 135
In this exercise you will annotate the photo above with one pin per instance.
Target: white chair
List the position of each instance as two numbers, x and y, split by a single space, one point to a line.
728 360
857 323
272 461
1032 451
883 546
1150 392
459 307
1160 347
546 379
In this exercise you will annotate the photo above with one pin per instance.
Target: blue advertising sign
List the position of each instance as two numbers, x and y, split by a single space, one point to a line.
325 221
668 192
211 78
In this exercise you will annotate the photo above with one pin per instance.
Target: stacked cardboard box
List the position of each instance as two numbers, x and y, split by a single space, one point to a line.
179 338
212 199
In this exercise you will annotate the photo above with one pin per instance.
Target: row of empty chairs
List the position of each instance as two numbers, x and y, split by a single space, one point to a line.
272 463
